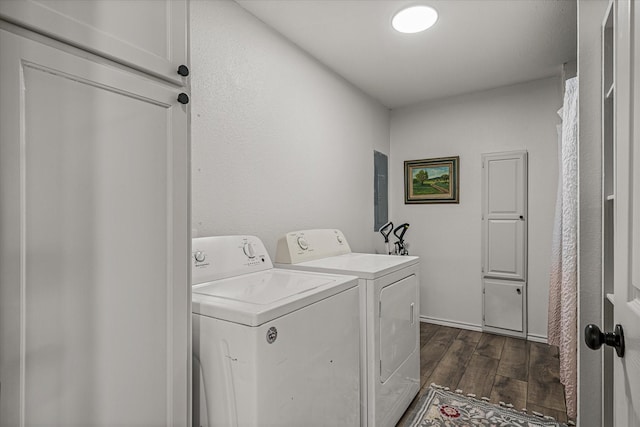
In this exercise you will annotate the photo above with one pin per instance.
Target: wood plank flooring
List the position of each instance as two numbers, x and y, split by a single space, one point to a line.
505 369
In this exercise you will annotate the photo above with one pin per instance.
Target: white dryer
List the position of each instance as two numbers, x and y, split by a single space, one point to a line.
389 300
271 346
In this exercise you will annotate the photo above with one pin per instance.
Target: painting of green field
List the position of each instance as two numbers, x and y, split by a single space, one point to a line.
431 180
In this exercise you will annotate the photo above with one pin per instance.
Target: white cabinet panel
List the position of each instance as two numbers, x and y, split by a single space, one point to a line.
504 252
94 285
150 35
504 305
504 184
504 187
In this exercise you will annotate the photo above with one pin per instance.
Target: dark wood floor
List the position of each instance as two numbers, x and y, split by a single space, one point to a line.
523 373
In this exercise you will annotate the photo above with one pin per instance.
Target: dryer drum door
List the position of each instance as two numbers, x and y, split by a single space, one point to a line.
398 324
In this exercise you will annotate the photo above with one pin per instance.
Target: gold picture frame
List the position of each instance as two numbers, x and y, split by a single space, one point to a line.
431 180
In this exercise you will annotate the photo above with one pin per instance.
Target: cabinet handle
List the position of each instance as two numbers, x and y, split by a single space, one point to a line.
183 98
521 217
183 70
411 313
518 291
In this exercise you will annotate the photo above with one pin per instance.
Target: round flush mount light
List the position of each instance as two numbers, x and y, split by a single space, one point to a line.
414 19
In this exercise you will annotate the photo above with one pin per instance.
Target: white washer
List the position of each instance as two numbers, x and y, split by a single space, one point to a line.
271 346
389 299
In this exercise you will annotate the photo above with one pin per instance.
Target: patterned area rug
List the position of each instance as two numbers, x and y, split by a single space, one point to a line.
441 408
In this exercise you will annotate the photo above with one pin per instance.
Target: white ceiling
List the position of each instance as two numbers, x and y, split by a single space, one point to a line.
475 45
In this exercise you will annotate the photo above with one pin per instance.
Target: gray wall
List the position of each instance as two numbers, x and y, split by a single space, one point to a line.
279 142
590 17
448 237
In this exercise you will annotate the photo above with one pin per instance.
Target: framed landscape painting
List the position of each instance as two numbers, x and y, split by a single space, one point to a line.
431 180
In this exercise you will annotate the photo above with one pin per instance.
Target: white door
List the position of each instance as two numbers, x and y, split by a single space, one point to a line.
94 243
150 35
504 215
504 305
627 215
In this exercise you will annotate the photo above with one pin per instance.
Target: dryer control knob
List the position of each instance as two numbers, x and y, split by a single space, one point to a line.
339 238
199 256
302 242
249 250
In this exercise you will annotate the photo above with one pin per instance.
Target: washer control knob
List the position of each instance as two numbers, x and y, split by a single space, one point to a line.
249 250
199 256
302 242
339 237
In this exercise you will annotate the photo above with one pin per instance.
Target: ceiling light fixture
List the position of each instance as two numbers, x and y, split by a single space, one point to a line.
414 19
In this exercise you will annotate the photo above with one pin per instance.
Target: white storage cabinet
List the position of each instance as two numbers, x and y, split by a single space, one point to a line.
149 35
94 228
504 236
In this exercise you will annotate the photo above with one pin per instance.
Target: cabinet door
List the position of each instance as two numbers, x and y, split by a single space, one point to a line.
150 35
504 305
94 243
504 215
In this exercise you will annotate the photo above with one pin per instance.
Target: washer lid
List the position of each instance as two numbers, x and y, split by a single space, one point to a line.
365 266
256 298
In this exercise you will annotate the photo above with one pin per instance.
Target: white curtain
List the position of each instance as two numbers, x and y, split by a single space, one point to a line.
563 288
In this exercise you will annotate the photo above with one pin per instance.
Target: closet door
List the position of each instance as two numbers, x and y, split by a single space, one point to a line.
150 35
504 305
504 236
626 297
94 277
504 215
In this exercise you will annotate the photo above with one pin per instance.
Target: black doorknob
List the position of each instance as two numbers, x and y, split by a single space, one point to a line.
183 70
183 98
594 338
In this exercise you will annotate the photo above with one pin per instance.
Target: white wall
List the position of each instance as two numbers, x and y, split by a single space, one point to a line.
590 17
279 142
447 237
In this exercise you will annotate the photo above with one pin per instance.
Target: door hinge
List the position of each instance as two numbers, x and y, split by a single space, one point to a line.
379 308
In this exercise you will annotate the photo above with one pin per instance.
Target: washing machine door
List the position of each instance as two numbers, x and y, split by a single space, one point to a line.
398 324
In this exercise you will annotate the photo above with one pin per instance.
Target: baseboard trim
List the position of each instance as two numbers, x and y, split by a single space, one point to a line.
473 327
537 338
452 323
